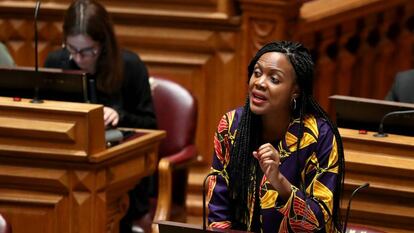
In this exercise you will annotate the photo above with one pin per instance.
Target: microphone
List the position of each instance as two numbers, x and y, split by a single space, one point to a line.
380 132
92 91
38 78
366 185
113 137
204 197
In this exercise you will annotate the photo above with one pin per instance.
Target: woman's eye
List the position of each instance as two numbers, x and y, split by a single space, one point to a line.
274 80
257 73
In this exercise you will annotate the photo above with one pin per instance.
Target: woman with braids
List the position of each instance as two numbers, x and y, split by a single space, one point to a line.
121 78
280 159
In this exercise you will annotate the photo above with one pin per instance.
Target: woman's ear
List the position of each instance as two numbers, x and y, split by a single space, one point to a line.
296 92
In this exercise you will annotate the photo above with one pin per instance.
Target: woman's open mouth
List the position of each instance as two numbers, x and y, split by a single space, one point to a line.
258 98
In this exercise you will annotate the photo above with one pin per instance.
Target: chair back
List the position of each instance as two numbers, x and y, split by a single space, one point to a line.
4 225
176 111
357 228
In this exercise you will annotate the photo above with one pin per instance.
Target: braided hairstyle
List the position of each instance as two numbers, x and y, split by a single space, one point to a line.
244 169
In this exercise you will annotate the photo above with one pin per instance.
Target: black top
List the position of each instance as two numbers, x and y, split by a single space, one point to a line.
402 88
133 103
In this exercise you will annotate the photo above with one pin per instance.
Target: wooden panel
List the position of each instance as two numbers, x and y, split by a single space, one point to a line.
40 179
33 212
367 36
388 165
52 128
265 21
77 196
37 128
319 14
50 184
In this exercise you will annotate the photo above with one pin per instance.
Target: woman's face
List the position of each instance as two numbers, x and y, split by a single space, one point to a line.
272 85
84 51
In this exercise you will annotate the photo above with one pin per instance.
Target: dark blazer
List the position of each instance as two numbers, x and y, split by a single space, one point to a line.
134 101
402 89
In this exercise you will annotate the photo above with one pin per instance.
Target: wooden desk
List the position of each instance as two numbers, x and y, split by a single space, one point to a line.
388 165
56 174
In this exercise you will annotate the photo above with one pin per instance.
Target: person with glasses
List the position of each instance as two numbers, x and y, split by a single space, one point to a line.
90 45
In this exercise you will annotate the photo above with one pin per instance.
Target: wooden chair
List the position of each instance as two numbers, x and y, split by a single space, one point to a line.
4 225
356 228
176 112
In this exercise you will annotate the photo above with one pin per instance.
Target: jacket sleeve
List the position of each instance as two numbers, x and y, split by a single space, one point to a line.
137 110
309 208
218 202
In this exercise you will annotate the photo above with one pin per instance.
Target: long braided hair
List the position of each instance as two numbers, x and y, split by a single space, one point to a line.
244 170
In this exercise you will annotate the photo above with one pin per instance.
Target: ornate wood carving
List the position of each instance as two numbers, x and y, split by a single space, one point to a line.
367 42
265 21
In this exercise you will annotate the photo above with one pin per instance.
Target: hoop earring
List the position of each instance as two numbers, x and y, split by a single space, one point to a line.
294 104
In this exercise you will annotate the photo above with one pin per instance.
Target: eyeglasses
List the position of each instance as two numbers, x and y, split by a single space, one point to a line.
85 52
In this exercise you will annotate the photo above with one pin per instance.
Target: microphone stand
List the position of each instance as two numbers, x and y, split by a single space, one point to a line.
381 133
366 185
204 198
37 81
35 35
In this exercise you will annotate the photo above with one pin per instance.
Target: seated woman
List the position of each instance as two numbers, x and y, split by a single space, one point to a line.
121 77
279 157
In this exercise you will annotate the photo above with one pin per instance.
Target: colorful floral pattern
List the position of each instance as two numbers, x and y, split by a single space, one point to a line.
312 172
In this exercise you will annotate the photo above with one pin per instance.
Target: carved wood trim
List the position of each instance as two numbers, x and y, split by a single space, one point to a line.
39 129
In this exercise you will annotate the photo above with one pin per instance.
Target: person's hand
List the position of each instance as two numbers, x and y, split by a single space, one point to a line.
111 117
269 161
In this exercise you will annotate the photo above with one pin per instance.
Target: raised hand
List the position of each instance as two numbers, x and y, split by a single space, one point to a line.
269 161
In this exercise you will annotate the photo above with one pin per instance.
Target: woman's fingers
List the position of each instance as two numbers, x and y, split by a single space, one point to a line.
111 117
266 150
256 155
268 158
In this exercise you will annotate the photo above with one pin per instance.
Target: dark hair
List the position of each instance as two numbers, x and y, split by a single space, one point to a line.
244 170
88 17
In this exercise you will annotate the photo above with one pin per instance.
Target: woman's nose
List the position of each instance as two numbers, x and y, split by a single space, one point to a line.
260 82
77 57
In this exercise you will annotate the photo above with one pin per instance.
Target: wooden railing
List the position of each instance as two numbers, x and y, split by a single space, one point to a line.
358 45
